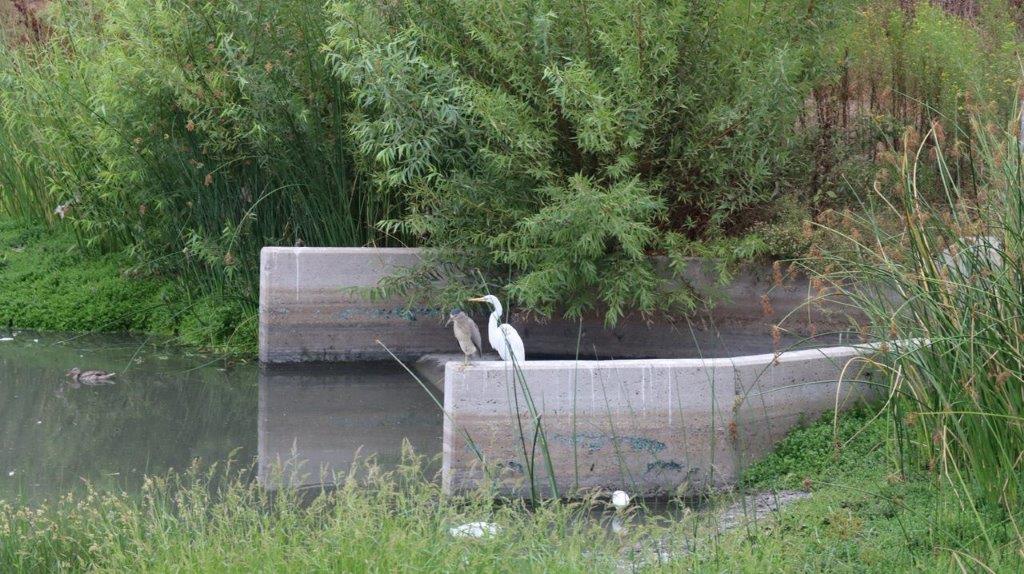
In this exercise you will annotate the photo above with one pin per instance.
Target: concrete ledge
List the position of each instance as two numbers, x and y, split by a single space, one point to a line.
308 312
648 426
431 368
663 423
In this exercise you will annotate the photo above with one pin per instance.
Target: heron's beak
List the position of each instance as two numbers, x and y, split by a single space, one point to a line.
448 322
476 299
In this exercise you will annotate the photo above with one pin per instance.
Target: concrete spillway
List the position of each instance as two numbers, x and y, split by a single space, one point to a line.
649 426
710 396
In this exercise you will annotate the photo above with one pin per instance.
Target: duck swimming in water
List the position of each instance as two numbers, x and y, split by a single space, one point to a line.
90 377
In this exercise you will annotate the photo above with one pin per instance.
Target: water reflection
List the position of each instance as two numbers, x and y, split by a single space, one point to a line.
169 406
316 419
166 408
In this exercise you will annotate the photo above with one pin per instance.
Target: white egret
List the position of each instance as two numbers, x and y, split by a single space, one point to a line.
502 337
467 334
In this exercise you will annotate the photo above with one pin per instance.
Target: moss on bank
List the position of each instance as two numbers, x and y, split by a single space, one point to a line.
865 515
49 284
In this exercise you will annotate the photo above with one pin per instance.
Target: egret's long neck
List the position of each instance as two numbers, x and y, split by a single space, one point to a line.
495 320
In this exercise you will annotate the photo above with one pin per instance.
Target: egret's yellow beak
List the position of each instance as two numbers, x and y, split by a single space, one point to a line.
476 299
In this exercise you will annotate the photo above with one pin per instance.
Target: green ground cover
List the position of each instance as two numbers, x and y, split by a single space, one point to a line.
49 283
866 514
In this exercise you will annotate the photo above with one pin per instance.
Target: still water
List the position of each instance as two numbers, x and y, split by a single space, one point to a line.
169 406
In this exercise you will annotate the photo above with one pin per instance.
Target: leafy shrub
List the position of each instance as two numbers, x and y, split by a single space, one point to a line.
189 133
558 146
552 147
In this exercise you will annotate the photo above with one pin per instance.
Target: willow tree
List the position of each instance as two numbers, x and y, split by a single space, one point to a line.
556 145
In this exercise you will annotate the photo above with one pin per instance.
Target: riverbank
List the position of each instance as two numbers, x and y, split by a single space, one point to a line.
50 284
869 510
861 516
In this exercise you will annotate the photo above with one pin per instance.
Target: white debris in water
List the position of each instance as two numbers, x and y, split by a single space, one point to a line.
620 500
475 530
11 473
39 422
2 339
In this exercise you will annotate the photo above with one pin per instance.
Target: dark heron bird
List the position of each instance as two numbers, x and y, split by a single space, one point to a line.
467 333
89 377
503 337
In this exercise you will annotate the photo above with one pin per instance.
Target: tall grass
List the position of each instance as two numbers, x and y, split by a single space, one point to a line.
396 521
190 134
942 281
193 133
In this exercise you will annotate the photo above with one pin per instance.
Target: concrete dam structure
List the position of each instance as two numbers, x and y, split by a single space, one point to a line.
652 406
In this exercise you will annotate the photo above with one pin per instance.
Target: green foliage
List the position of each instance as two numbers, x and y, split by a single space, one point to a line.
189 134
934 63
550 147
861 519
887 71
826 450
394 522
555 147
945 287
866 519
49 284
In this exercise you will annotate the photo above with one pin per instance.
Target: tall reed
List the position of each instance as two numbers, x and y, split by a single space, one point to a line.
942 283
190 134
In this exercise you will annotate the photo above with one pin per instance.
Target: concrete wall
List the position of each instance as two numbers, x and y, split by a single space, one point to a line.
308 312
652 425
647 426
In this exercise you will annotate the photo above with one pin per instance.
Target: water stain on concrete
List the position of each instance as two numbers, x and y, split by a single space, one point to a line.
595 441
408 314
663 465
